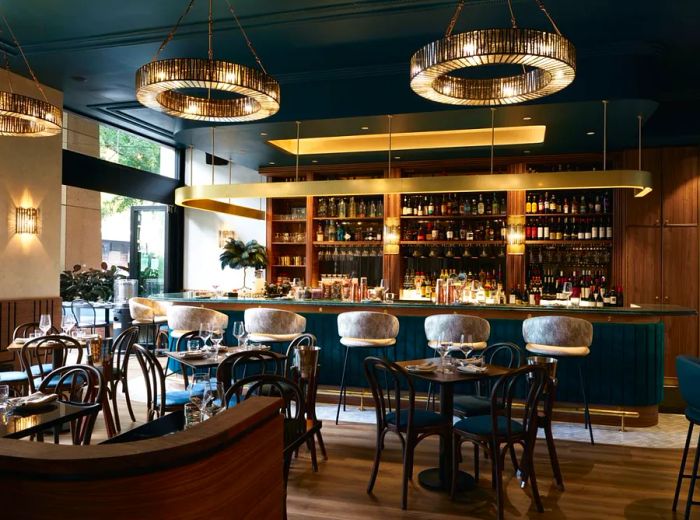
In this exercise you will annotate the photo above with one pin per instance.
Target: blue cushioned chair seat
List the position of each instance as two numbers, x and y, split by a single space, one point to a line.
13 376
54 380
481 425
421 418
472 405
45 367
176 398
692 414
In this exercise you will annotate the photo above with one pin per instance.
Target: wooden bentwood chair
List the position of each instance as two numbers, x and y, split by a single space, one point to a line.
410 424
500 428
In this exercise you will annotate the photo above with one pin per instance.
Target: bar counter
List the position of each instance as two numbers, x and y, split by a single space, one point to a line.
625 369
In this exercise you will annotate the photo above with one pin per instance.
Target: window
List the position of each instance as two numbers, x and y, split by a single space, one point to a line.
135 151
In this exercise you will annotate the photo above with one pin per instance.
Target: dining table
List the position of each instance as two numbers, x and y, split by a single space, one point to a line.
30 421
440 478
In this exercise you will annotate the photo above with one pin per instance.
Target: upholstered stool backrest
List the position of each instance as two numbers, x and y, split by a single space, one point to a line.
558 331
186 318
160 308
688 371
452 326
141 309
367 325
273 321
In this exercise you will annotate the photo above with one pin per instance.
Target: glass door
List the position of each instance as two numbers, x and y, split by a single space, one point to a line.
149 232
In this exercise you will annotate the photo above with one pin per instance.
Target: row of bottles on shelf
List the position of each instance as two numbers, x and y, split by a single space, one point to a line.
586 288
329 207
449 287
453 205
543 203
569 228
575 257
345 232
457 231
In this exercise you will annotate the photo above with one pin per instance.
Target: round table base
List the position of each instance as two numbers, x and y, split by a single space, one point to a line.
430 479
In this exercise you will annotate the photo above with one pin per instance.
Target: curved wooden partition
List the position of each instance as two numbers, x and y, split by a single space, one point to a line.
231 466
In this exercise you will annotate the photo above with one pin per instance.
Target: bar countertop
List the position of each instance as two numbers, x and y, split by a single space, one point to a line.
629 310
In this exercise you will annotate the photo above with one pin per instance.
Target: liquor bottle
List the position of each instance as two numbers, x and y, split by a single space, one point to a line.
565 207
553 204
601 229
405 208
528 204
545 230
352 208
574 205
488 206
361 209
380 209
340 232
462 231
443 205
341 209
540 230
609 229
467 207
503 206
470 233
431 207
598 207
481 207
566 231
606 203
372 209
319 233
583 207
620 297
434 232
581 232
330 231
332 209
419 208
612 297
322 208
421 234
540 205
449 234
587 235
474 207
495 206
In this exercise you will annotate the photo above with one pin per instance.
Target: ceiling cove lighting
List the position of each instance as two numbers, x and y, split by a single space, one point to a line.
159 84
548 62
24 116
510 135
203 196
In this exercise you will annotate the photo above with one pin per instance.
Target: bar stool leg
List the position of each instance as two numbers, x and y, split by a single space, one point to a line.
693 478
587 413
682 469
342 385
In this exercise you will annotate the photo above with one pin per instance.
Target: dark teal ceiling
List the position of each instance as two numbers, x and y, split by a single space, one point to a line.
342 59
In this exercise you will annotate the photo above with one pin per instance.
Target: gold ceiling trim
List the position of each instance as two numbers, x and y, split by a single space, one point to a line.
217 206
204 196
462 138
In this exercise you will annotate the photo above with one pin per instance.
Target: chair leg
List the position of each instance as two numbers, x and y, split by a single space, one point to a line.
407 469
377 457
113 395
312 451
513 458
321 445
125 388
533 480
456 449
693 478
587 413
553 459
342 386
498 478
476 462
682 469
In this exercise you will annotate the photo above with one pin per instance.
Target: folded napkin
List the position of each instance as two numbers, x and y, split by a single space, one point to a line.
424 367
193 354
35 400
471 369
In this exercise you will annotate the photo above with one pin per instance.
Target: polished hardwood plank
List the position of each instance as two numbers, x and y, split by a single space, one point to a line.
602 482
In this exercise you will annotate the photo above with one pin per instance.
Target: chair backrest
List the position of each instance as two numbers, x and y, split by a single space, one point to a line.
452 326
260 320
186 318
26 329
558 331
505 354
121 345
688 370
78 385
141 309
153 376
534 381
399 394
237 366
183 340
367 325
304 340
44 350
77 307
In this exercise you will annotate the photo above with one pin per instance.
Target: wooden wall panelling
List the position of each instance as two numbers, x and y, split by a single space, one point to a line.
391 264
515 264
271 252
619 200
645 211
16 312
680 185
642 282
311 274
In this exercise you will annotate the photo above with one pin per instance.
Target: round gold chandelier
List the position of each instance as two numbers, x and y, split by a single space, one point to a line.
160 84
24 116
548 62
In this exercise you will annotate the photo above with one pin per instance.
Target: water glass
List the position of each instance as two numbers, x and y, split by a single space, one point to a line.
239 331
45 323
204 333
192 415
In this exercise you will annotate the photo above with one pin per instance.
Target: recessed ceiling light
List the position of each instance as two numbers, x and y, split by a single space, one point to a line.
397 157
526 151
364 128
314 161
271 163
263 134
527 118
590 133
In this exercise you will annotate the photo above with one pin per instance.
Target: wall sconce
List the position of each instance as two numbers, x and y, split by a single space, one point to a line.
392 235
27 221
515 235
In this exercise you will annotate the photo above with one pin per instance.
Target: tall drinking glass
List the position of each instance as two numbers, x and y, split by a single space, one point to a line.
45 323
239 331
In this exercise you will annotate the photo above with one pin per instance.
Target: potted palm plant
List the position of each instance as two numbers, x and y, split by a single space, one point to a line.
239 255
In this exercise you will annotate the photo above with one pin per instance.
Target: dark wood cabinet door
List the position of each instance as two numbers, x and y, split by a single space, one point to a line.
644 211
680 185
680 278
642 282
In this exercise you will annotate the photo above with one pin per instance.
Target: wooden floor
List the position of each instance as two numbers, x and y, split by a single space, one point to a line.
602 482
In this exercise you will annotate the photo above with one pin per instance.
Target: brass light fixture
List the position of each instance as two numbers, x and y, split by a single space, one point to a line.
548 62
27 221
159 84
24 116
515 235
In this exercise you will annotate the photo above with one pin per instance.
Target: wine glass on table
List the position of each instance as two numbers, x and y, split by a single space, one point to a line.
239 331
68 323
45 323
217 336
198 389
205 334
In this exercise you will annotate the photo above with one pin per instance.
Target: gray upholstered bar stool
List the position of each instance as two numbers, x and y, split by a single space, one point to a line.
273 325
455 328
364 330
562 337
148 313
185 318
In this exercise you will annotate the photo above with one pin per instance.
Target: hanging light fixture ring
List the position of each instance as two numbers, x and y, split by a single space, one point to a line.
551 59
26 116
158 84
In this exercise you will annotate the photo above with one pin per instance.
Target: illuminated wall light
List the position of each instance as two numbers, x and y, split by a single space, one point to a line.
515 235
27 221
392 235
